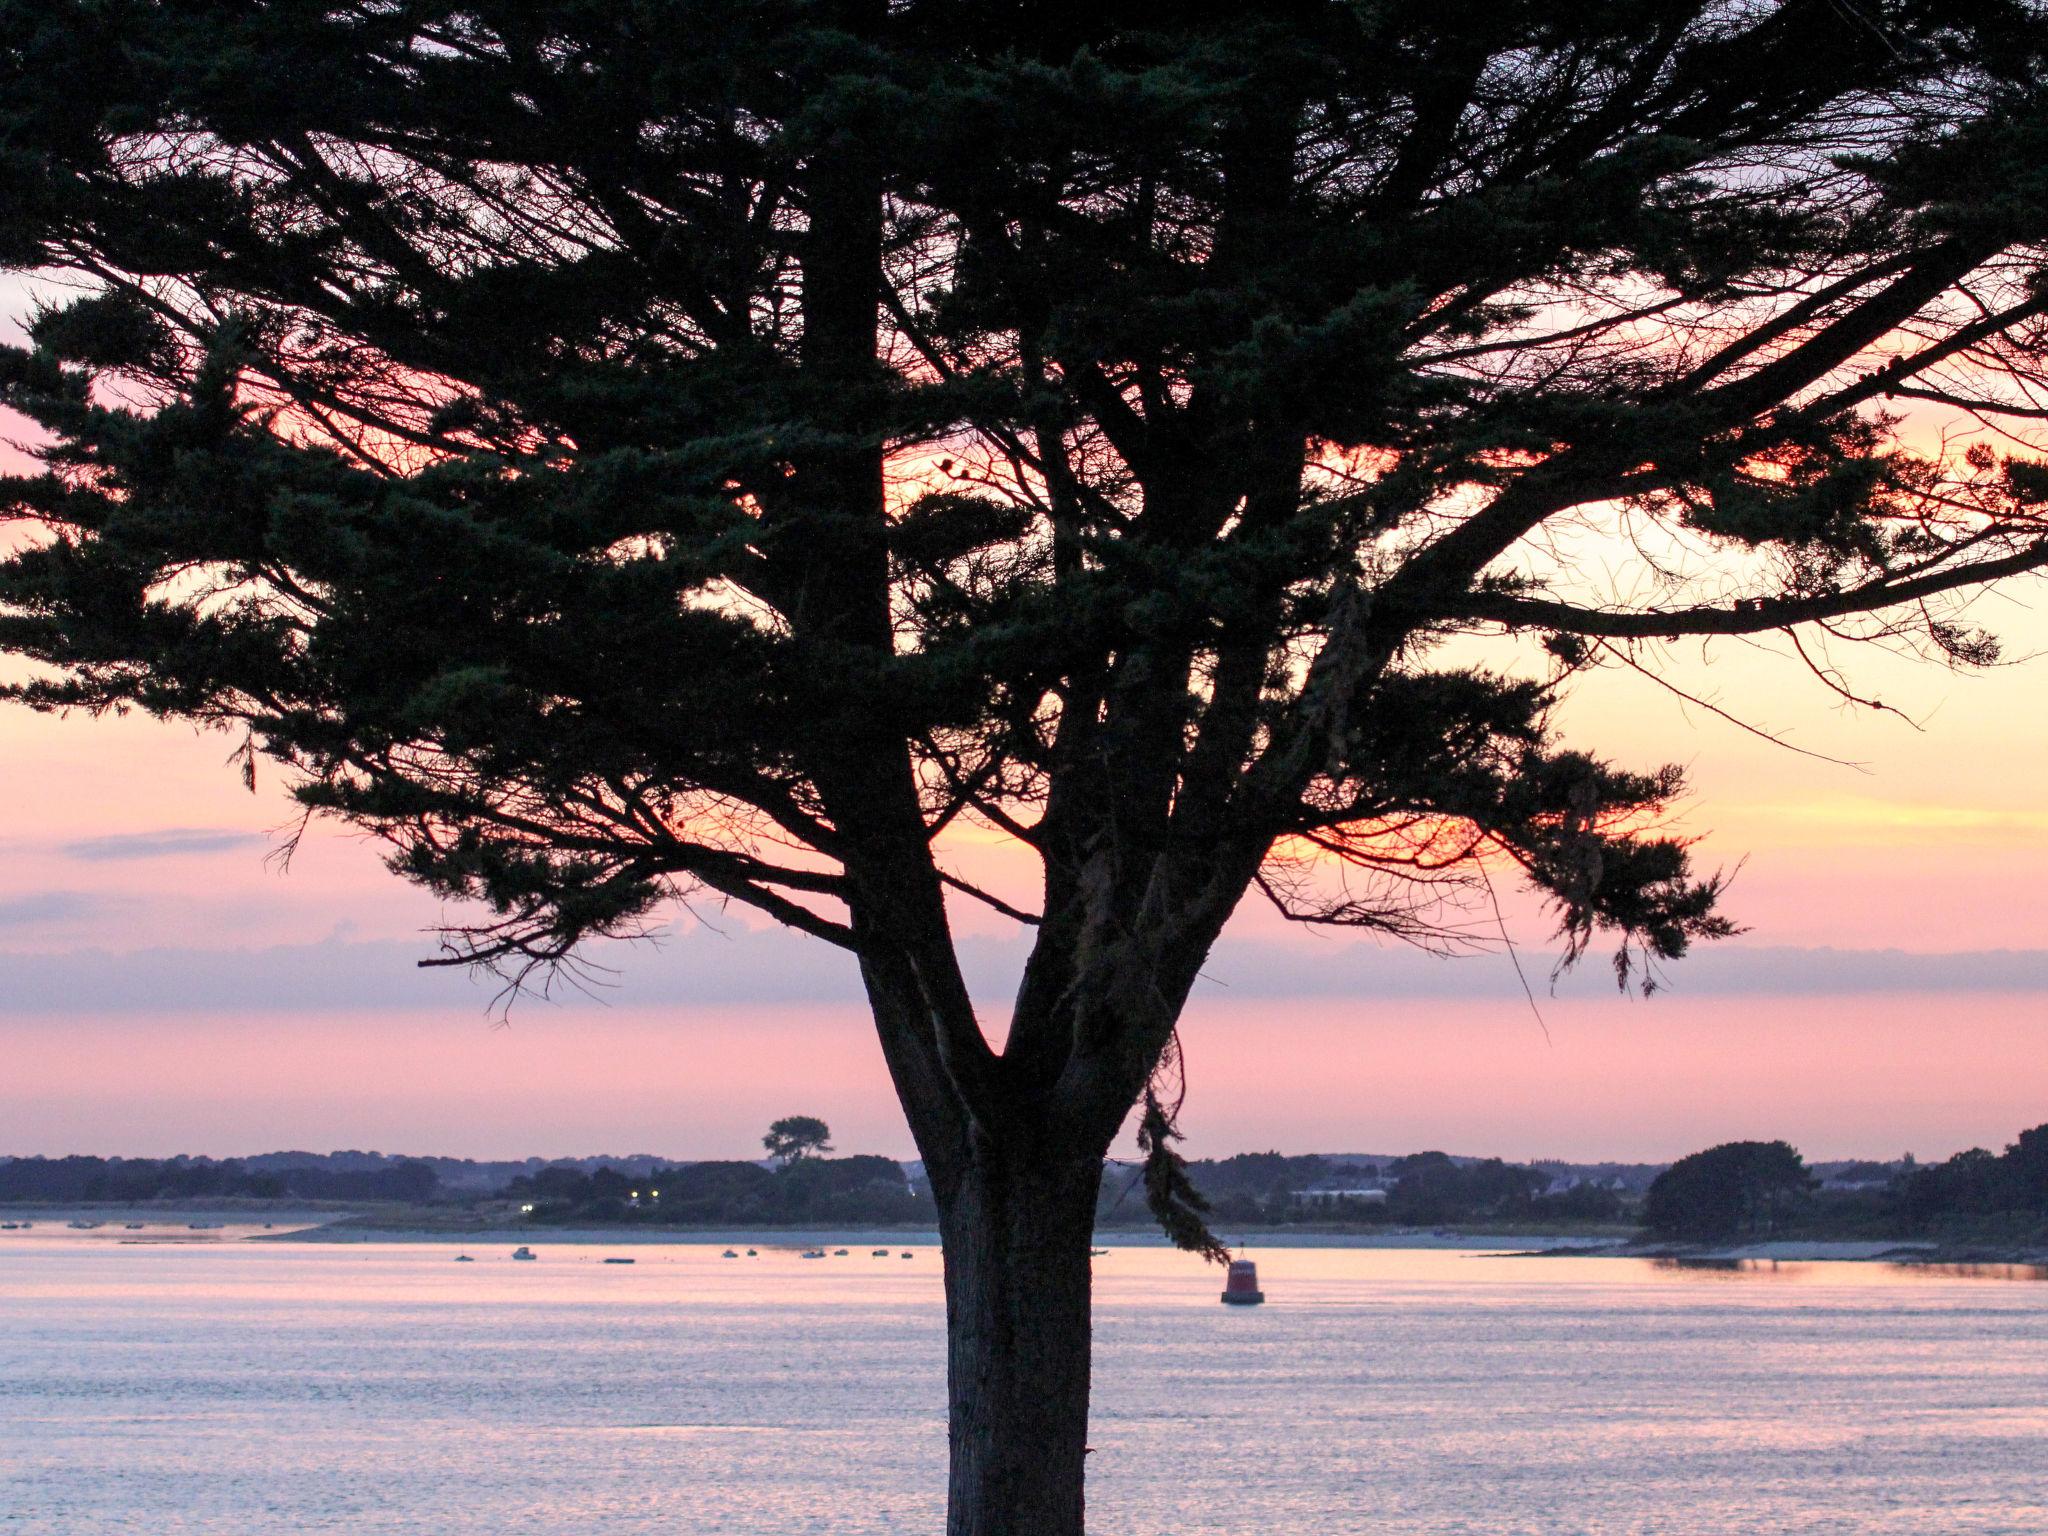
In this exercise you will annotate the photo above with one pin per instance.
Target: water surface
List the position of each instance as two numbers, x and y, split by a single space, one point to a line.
235 1388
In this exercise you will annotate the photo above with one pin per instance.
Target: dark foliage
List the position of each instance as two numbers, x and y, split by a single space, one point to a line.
1171 1197
1430 1188
1585 1201
1977 1183
798 1136
809 1190
1426 1189
136 1179
1738 1189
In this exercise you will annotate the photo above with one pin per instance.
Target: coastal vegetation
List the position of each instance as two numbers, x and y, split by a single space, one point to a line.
802 1191
1759 1190
1731 1193
1738 1189
139 1180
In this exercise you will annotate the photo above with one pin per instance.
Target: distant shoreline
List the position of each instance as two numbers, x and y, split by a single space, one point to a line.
883 1237
362 1229
336 1224
1523 1245
1820 1250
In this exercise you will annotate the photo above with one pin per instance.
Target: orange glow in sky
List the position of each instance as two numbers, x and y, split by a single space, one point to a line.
128 846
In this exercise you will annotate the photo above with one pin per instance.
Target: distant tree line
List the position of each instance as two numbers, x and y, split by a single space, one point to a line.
1256 1188
1746 1190
1423 1189
805 1190
458 1175
138 1179
1976 1183
1761 1190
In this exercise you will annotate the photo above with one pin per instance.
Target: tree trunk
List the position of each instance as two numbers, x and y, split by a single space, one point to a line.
1017 1324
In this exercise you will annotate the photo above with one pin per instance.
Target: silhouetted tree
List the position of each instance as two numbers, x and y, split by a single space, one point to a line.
609 1184
615 451
795 1137
1740 1188
1431 1187
2026 1170
714 1191
1977 1183
1581 1202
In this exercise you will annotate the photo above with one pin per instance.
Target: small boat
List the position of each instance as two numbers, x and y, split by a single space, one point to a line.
81 1226
906 1253
463 1258
813 1253
1098 1253
879 1253
523 1252
752 1254
728 1254
618 1261
8 1226
202 1226
132 1226
838 1253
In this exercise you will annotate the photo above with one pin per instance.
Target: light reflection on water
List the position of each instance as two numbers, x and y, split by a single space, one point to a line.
243 1389
1828 1273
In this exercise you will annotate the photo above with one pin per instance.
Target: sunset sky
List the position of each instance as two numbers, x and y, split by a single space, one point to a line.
166 987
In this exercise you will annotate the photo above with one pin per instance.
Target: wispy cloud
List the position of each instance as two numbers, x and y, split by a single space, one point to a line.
37 907
1878 823
766 969
166 843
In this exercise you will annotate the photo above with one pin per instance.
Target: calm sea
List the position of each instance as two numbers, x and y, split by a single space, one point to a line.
265 1389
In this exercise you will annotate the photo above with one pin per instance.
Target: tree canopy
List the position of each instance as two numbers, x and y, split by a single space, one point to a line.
611 465
1977 1182
796 1137
1740 1188
624 452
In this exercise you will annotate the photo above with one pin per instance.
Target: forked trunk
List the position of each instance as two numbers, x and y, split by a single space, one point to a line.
1017 1322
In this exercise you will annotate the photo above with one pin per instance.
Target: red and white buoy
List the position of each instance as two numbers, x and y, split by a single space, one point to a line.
1241 1285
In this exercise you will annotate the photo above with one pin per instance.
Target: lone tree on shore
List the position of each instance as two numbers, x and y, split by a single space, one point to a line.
1738 1189
796 1137
619 451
